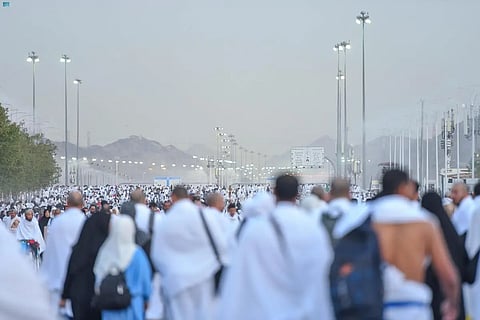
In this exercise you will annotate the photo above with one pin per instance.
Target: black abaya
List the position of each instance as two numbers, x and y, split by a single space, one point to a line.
456 247
80 280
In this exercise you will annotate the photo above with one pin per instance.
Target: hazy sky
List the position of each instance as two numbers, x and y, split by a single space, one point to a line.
171 70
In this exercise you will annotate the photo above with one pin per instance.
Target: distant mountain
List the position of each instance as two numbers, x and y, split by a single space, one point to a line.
149 156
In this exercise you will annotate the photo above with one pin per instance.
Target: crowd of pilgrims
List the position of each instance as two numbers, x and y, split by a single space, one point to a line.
289 251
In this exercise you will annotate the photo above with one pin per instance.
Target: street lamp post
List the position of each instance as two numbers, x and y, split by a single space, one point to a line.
337 48
65 59
363 19
218 134
346 46
340 146
33 58
78 82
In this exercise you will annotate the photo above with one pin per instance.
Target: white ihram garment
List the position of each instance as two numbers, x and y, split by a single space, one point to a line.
463 215
403 298
142 218
22 295
29 230
62 235
185 259
266 282
472 245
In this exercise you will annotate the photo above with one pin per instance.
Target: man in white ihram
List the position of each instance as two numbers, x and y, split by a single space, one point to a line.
472 245
465 206
62 235
28 229
184 256
280 269
409 240
142 217
12 215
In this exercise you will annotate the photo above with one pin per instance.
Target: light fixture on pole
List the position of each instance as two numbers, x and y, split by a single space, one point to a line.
33 58
65 59
363 19
78 82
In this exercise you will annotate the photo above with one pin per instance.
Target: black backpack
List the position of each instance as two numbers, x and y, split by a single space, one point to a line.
356 284
113 293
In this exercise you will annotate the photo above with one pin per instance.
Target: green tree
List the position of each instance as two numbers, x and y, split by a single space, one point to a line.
26 161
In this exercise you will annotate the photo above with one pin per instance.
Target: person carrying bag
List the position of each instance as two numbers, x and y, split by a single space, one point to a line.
122 274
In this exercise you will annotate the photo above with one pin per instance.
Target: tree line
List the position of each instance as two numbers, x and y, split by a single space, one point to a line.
26 160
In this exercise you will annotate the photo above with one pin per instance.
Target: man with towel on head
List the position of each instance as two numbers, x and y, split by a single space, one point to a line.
409 241
28 229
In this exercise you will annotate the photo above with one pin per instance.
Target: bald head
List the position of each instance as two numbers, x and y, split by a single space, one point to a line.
216 200
137 196
320 193
340 188
75 200
459 192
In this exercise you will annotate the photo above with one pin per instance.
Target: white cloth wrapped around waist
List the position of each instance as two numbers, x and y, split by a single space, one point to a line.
401 292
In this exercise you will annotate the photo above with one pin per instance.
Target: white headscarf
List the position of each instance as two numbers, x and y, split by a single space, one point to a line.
117 251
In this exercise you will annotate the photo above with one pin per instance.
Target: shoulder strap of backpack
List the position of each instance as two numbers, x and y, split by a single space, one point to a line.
151 219
210 238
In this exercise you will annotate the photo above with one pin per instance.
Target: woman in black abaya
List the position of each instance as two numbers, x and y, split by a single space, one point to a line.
43 221
456 247
80 280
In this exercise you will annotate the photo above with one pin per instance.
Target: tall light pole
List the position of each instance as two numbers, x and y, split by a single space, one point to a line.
218 134
337 48
78 82
473 140
363 19
33 58
65 59
346 46
422 132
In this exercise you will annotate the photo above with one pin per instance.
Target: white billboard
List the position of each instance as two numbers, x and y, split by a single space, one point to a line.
307 157
166 181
